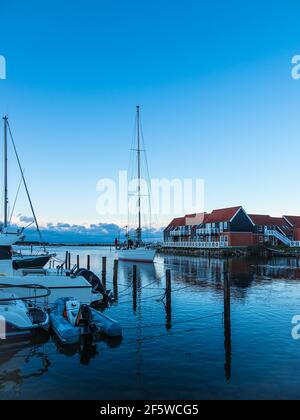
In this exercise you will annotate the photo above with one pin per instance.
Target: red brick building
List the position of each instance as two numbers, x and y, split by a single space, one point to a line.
232 227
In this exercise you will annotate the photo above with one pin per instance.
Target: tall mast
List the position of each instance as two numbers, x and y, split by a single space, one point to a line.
5 120
139 231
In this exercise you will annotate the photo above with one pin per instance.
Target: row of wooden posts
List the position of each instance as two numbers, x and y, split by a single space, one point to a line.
168 298
115 279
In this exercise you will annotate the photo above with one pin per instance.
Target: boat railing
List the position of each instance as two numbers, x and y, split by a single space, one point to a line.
46 292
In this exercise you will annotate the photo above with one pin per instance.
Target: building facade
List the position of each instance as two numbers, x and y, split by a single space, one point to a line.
232 227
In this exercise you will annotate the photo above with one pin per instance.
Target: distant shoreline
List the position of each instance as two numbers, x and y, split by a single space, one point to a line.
66 244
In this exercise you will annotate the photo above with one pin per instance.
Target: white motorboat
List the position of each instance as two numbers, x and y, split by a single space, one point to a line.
81 284
137 251
18 318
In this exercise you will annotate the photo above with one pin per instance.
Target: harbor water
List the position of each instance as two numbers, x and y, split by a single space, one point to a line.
182 352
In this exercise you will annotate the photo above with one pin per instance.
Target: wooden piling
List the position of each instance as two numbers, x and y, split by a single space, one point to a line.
104 263
78 261
169 299
134 287
115 279
69 261
88 264
66 259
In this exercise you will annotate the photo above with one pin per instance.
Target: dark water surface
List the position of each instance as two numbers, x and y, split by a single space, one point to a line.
182 355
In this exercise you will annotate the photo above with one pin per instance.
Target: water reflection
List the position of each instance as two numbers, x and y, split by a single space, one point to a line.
14 356
163 352
227 321
87 350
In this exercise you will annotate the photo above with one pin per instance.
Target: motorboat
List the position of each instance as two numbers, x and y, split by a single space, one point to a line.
72 320
19 318
83 284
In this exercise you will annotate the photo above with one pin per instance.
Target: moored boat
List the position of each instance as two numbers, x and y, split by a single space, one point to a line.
31 261
8 236
136 250
71 320
20 318
140 254
82 284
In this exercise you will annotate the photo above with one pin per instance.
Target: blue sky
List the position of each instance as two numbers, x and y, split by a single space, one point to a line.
213 79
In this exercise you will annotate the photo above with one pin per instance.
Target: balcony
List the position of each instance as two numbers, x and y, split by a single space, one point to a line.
196 245
182 232
208 231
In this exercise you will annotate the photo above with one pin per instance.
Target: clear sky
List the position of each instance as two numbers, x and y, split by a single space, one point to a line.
213 79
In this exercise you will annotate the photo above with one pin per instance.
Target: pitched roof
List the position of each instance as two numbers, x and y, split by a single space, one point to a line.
260 219
294 220
178 221
222 215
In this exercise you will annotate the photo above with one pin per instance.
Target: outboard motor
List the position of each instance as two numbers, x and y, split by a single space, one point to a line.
95 282
86 320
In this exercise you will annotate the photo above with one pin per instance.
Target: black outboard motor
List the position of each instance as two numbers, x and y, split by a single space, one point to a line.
86 319
94 281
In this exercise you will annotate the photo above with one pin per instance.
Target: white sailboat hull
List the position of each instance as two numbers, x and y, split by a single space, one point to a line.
137 255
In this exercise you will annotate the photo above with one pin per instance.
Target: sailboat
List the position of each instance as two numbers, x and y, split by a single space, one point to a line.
7 235
137 251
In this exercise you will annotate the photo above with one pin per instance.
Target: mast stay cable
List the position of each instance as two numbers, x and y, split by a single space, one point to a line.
25 184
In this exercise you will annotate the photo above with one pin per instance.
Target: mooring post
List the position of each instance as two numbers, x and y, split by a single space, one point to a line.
104 260
169 299
115 279
67 259
78 261
134 287
88 264
227 321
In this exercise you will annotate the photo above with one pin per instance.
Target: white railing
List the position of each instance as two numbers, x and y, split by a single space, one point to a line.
204 245
295 244
279 236
208 231
282 238
180 233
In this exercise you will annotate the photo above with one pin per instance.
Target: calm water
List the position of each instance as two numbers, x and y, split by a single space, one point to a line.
179 355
